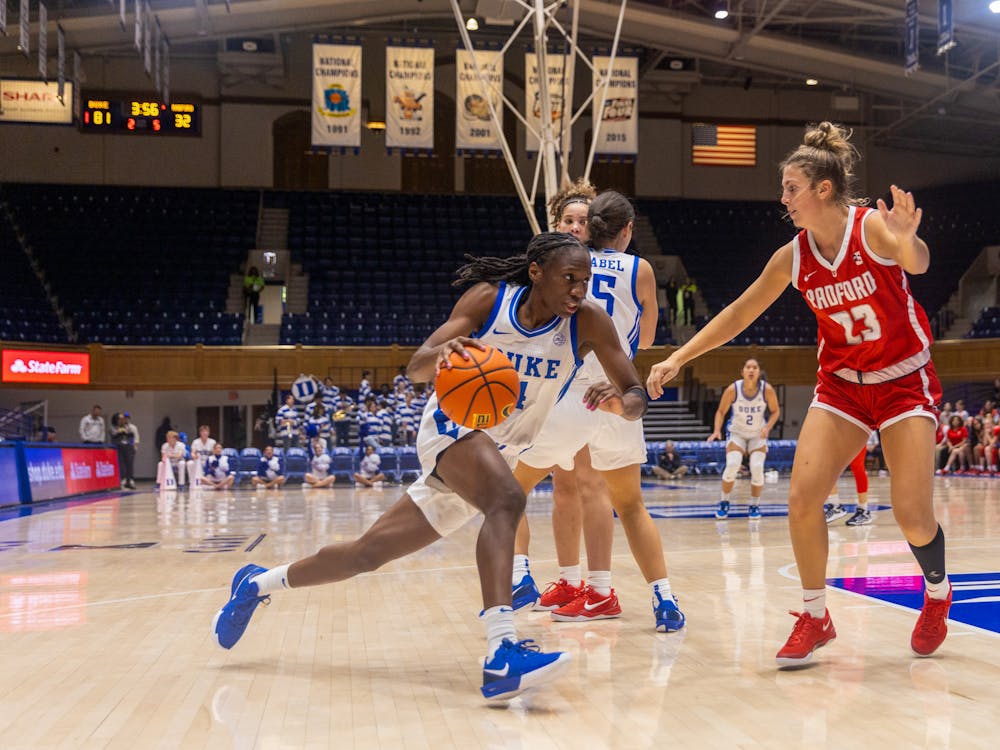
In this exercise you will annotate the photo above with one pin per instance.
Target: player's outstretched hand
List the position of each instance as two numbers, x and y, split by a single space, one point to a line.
606 397
456 345
904 216
714 436
662 373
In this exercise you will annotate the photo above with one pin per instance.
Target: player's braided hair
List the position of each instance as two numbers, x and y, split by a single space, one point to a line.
515 268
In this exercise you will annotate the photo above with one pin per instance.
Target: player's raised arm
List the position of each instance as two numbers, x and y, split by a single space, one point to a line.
469 314
624 394
731 321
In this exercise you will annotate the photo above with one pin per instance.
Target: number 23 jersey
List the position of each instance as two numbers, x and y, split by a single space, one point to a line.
868 320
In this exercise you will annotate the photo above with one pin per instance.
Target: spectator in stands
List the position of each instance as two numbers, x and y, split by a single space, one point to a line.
959 452
940 448
407 421
331 395
287 422
991 448
160 436
946 411
253 283
49 435
401 378
269 476
996 390
172 450
365 388
201 448
215 472
687 299
387 424
92 426
370 474
342 420
318 417
319 475
369 424
125 436
671 291
961 411
873 447
979 438
669 464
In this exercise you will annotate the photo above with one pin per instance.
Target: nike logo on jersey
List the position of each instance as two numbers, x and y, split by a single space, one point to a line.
498 672
588 606
498 332
806 277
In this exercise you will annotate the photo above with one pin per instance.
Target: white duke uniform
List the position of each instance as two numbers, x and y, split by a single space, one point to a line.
614 442
747 418
545 359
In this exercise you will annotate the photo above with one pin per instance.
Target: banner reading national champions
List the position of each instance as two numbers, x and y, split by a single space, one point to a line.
336 100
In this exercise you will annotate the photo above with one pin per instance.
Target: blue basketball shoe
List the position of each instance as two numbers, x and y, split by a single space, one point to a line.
723 510
524 593
753 512
519 666
231 621
668 615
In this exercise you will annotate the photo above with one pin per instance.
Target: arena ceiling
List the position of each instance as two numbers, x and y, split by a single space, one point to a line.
852 47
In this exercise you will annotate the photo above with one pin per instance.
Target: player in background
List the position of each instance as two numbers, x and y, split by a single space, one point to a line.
201 449
609 450
875 370
747 399
834 510
534 307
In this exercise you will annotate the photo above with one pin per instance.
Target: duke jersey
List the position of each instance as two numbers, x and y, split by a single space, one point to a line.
613 287
545 359
870 327
747 418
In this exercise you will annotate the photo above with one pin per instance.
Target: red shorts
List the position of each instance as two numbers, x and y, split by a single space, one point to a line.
879 405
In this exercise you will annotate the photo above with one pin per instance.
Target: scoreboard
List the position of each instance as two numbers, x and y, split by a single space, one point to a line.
140 116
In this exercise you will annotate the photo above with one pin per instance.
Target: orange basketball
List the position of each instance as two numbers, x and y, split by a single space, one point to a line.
480 392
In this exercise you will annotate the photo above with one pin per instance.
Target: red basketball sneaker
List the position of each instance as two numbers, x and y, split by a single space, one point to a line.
589 605
932 625
808 635
557 595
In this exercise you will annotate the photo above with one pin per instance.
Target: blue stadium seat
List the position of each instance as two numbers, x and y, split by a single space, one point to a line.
249 459
296 462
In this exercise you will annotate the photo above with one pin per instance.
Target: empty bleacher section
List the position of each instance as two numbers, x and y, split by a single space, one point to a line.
26 313
147 266
987 325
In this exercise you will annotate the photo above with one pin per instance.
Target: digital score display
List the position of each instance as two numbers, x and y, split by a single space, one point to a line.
142 116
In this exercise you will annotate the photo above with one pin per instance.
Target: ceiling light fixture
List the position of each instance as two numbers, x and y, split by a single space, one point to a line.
995 6
722 11
812 82
472 24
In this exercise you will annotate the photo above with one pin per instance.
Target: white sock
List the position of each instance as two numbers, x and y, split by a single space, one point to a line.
862 505
600 581
571 574
814 601
274 579
724 497
661 587
520 568
499 626
938 590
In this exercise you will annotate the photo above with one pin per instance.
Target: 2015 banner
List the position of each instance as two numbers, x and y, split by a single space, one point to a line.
474 128
618 134
409 96
336 101
560 91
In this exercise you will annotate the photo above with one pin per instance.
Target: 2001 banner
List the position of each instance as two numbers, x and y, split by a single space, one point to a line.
336 102
409 97
474 128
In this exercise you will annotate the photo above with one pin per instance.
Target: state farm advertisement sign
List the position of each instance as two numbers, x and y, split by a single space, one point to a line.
29 366
35 101
89 469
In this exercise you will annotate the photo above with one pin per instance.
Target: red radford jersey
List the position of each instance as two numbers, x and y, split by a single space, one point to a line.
868 320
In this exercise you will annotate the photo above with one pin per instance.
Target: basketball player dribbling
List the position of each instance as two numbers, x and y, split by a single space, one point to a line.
850 263
625 287
748 398
534 308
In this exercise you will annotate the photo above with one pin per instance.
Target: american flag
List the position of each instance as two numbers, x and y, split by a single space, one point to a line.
724 145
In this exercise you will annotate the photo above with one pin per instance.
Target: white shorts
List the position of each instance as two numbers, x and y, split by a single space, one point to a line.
445 510
614 442
748 444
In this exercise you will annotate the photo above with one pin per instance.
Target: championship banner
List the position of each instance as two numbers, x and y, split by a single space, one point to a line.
336 100
409 96
78 78
43 41
156 56
147 33
560 91
61 63
912 37
138 26
474 129
3 18
618 134
24 45
946 27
